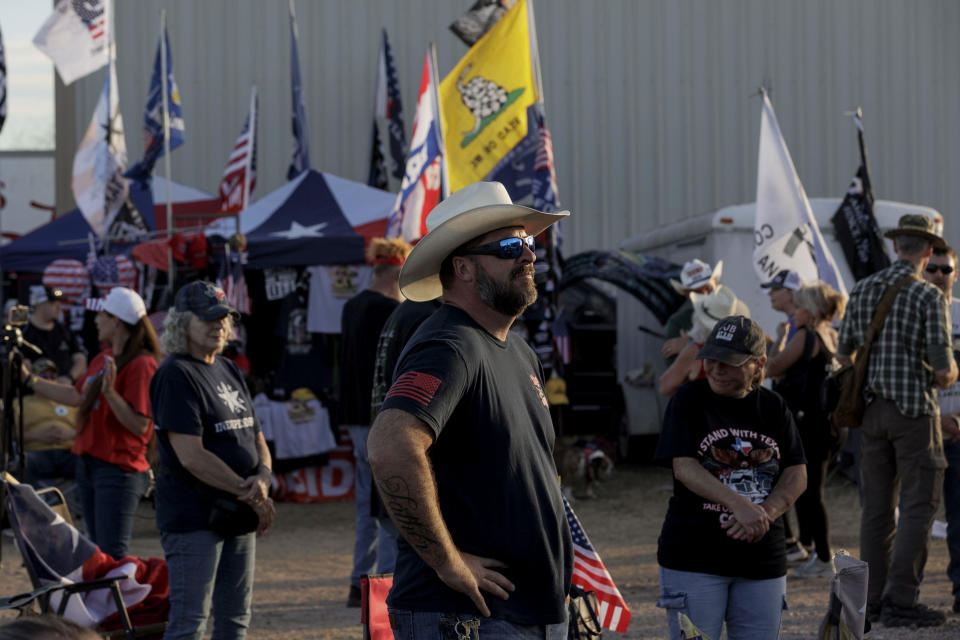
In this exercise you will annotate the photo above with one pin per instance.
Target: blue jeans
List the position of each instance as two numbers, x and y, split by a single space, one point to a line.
205 568
109 497
417 625
752 609
376 542
951 502
48 465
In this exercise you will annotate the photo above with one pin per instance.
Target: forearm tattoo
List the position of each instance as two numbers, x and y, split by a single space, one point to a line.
396 496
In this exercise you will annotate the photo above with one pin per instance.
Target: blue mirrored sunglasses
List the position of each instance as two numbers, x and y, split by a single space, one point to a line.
506 249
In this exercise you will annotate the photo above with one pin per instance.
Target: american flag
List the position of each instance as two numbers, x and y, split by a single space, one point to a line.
544 186
590 575
93 15
241 165
233 283
387 105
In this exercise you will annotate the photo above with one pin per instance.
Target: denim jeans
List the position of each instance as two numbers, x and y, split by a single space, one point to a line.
48 465
752 609
375 547
205 568
109 497
417 625
951 502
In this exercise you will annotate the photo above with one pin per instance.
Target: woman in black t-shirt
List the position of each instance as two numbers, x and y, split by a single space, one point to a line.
738 466
803 363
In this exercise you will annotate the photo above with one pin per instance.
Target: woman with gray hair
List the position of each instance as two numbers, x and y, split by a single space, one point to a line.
803 363
214 470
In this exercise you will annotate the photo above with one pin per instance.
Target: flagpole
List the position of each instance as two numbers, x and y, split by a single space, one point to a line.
171 265
435 93
252 145
535 56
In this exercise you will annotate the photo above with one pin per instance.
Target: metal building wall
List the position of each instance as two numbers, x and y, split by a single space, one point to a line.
648 101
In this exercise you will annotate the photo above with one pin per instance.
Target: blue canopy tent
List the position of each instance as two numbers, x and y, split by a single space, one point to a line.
308 221
65 237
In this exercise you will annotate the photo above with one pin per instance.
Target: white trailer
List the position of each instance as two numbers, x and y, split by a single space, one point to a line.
728 235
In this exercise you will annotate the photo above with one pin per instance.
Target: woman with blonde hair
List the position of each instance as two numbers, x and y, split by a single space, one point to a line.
803 363
114 424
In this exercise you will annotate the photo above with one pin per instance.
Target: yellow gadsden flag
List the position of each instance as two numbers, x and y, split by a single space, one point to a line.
484 100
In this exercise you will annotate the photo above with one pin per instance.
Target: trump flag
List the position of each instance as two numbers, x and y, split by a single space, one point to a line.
76 37
484 99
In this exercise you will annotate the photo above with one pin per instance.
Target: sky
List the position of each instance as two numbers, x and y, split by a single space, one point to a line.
30 79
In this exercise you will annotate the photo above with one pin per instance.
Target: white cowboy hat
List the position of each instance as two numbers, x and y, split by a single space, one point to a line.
472 211
711 308
695 274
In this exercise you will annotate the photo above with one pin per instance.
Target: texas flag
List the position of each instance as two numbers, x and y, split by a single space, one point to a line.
420 188
57 553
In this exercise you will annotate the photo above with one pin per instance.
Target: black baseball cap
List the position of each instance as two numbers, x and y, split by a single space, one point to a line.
734 340
784 279
204 300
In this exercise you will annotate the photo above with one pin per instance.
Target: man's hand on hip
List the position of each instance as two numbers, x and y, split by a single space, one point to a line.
468 574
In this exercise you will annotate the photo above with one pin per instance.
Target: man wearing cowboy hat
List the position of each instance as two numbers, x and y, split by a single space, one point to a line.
900 437
461 449
695 277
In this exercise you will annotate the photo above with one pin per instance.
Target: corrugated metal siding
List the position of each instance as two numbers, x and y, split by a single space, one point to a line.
649 101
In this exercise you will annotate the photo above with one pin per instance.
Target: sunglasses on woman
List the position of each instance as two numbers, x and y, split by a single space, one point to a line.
945 269
506 249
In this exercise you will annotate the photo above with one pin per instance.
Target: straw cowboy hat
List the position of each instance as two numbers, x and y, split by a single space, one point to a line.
917 224
470 212
695 274
710 308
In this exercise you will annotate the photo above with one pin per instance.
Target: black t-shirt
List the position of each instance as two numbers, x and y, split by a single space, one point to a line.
59 344
397 331
743 442
304 362
196 398
361 322
492 459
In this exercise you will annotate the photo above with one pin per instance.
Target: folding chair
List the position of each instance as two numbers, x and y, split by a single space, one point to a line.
54 554
373 606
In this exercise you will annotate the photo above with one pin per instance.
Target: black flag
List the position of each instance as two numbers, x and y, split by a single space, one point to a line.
854 223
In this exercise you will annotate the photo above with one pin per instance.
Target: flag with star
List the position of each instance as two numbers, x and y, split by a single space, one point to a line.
590 574
233 282
240 174
76 37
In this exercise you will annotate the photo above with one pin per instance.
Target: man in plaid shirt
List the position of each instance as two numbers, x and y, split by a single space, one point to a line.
900 436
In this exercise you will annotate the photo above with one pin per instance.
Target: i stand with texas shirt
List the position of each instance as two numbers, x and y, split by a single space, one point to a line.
743 442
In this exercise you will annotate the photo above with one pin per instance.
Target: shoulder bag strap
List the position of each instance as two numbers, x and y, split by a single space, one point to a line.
879 317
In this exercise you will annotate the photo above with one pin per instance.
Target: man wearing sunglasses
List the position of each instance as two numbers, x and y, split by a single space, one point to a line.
462 447
902 458
941 272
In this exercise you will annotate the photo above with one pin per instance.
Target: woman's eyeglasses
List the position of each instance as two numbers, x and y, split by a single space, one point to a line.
506 249
945 269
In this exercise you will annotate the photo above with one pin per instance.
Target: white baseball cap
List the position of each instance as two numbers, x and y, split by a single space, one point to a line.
124 303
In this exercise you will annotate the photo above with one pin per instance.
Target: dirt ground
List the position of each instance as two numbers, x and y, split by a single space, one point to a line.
304 563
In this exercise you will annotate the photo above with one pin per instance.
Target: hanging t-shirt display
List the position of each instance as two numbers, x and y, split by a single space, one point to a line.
298 428
305 361
745 443
330 288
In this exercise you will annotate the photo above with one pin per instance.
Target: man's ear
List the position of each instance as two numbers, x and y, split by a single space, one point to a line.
463 268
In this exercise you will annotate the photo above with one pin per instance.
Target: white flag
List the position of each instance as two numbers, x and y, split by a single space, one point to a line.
98 184
787 235
76 37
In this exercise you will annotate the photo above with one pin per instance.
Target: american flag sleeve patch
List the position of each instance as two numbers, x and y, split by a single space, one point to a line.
419 387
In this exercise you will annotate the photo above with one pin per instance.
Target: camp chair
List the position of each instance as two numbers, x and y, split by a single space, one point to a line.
55 554
373 606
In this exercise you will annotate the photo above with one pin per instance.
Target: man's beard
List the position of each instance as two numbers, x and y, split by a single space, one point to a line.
510 298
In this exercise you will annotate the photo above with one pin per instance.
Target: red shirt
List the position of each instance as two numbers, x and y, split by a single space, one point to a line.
103 437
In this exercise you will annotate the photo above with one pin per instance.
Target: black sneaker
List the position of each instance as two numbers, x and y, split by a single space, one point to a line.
956 604
354 598
874 611
918 615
